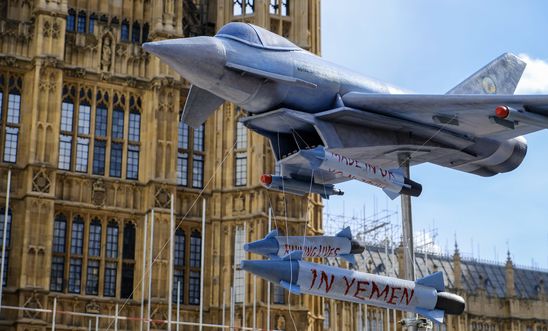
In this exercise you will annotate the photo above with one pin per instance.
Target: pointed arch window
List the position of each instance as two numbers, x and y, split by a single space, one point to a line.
179 265
57 272
81 26
194 274
71 20
191 147
240 174
124 31
11 118
128 264
136 33
91 23
76 251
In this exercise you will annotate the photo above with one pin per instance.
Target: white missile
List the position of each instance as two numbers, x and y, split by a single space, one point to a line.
392 181
425 296
341 245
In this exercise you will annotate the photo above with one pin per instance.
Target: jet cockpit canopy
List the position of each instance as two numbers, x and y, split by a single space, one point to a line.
255 36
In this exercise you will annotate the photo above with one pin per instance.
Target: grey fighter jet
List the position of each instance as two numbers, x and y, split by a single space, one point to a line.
303 103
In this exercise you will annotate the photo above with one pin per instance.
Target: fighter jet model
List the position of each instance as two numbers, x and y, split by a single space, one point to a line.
311 109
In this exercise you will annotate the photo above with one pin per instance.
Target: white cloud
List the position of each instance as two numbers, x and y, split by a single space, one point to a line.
535 77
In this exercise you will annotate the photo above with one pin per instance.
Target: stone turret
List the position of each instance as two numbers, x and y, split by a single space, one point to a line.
457 266
510 287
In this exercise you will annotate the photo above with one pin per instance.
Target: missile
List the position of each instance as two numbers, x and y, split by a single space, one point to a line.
341 245
299 187
519 115
392 181
425 296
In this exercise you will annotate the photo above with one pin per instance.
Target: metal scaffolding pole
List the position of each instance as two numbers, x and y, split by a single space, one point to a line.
4 233
245 285
202 259
150 268
268 283
144 267
170 265
178 304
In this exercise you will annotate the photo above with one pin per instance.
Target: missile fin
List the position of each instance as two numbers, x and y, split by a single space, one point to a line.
397 171
436 315
293 288
345 233
391 194
271 234
434 280
350 258
295 255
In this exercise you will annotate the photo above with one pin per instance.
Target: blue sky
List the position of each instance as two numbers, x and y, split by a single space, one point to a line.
429 46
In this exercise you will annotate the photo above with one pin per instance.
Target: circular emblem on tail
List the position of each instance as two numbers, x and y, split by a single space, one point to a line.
489 85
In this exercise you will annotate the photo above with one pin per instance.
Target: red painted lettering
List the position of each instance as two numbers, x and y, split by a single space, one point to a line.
348 286
383 172
314 276
328 284
407 296
375 289
393 295
359 289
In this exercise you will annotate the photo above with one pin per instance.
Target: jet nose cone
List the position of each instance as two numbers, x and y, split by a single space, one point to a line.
200 60
272 270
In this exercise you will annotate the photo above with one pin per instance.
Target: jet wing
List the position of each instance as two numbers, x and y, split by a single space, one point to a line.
469 115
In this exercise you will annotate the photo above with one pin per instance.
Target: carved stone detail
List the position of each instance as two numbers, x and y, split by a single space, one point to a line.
98 193
33 301
106 53
162 198
41 181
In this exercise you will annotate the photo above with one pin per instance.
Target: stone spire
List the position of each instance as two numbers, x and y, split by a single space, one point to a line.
457 266
510 287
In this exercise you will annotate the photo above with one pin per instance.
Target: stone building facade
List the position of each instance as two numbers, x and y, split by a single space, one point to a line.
89 128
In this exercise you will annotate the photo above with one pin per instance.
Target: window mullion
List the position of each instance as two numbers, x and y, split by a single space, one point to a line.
110 110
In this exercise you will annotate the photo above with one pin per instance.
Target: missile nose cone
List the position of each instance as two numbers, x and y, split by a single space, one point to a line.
200 60
264 247
273 270
451 303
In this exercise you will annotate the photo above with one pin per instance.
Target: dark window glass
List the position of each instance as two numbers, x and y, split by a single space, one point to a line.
179 248
136 33
91 24
178 285
92 284
124 31
101 122
1 97
194 288
75 275
81 22
84 119
77 236
65 147
183 135
8 240
10 147
198 171
134 127
118 124
111 269
59 234
145 32
127 281
199 139
195 249
82 152
279 295
129 242
71 20
112 240
241 169
57 273
99 156
132 162
182 169
94 244
67 112
285 7
116 160
14 108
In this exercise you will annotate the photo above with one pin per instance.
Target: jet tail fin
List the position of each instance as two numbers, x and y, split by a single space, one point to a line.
500 76
434 280
199 105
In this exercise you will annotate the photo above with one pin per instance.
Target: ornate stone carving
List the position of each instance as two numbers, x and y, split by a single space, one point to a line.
41 181
93 308
106 53
162 198
98 193
33 301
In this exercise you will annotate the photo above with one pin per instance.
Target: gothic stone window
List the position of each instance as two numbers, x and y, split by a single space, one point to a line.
190 151
187 253
243 6
81 253
87 142
10 114
240 173
279 7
